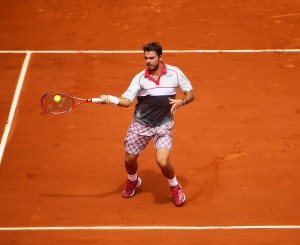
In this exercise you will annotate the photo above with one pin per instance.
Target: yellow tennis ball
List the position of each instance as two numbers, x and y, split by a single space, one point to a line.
57 98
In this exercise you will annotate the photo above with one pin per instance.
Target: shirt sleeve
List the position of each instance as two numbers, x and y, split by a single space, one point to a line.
184 83
133 89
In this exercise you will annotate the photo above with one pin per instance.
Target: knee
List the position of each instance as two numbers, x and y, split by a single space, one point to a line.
162 162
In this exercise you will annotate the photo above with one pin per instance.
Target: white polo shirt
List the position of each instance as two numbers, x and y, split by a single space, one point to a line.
153 107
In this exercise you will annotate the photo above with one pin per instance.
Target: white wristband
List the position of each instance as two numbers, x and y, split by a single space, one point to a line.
113 100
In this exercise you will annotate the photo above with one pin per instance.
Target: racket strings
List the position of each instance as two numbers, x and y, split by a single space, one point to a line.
49 104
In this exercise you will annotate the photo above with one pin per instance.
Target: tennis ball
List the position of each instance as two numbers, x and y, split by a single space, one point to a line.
57 98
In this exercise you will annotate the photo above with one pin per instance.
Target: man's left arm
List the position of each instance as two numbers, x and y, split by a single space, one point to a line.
176 103
188 98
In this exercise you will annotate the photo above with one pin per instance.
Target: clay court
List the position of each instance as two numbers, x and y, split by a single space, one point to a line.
235 149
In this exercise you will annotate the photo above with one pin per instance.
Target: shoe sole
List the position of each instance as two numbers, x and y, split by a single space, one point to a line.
138 184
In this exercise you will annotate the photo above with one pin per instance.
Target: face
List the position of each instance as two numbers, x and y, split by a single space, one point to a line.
152 60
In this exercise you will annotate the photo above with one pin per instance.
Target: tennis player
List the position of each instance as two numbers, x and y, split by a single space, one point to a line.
155 89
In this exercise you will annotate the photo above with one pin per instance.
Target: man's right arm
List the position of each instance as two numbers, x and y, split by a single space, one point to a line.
119 101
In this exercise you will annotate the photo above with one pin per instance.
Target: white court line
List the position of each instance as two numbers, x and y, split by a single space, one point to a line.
110 228
139 51
14 104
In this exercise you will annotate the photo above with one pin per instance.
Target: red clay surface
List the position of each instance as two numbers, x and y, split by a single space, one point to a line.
235 148
9 70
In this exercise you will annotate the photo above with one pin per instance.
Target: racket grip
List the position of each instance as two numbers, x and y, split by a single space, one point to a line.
95 100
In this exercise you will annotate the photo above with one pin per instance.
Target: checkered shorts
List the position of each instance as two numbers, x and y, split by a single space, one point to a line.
139 135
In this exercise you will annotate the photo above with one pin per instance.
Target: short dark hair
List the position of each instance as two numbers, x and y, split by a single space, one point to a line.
153 46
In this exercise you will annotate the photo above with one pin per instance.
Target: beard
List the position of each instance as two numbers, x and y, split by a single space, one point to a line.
153 68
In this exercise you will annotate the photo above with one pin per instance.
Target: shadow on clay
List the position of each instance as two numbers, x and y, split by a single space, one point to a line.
152 182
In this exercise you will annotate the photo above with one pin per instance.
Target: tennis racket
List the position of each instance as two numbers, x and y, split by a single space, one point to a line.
59 103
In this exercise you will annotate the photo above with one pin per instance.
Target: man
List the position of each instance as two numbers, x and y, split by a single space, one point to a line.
155 88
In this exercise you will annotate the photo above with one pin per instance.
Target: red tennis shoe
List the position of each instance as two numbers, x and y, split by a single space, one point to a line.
131 187
178 195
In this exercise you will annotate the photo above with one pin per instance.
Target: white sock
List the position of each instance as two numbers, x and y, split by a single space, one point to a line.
173 182
132 177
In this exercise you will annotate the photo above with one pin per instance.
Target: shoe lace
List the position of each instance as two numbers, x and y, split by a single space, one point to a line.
130 185
176 190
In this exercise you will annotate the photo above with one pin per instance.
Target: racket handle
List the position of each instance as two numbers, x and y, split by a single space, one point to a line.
95 100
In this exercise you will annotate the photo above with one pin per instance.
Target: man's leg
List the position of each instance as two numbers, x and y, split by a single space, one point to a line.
131 164
162 159
133 181
134 143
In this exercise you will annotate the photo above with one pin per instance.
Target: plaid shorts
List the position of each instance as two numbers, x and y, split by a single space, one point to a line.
139 135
